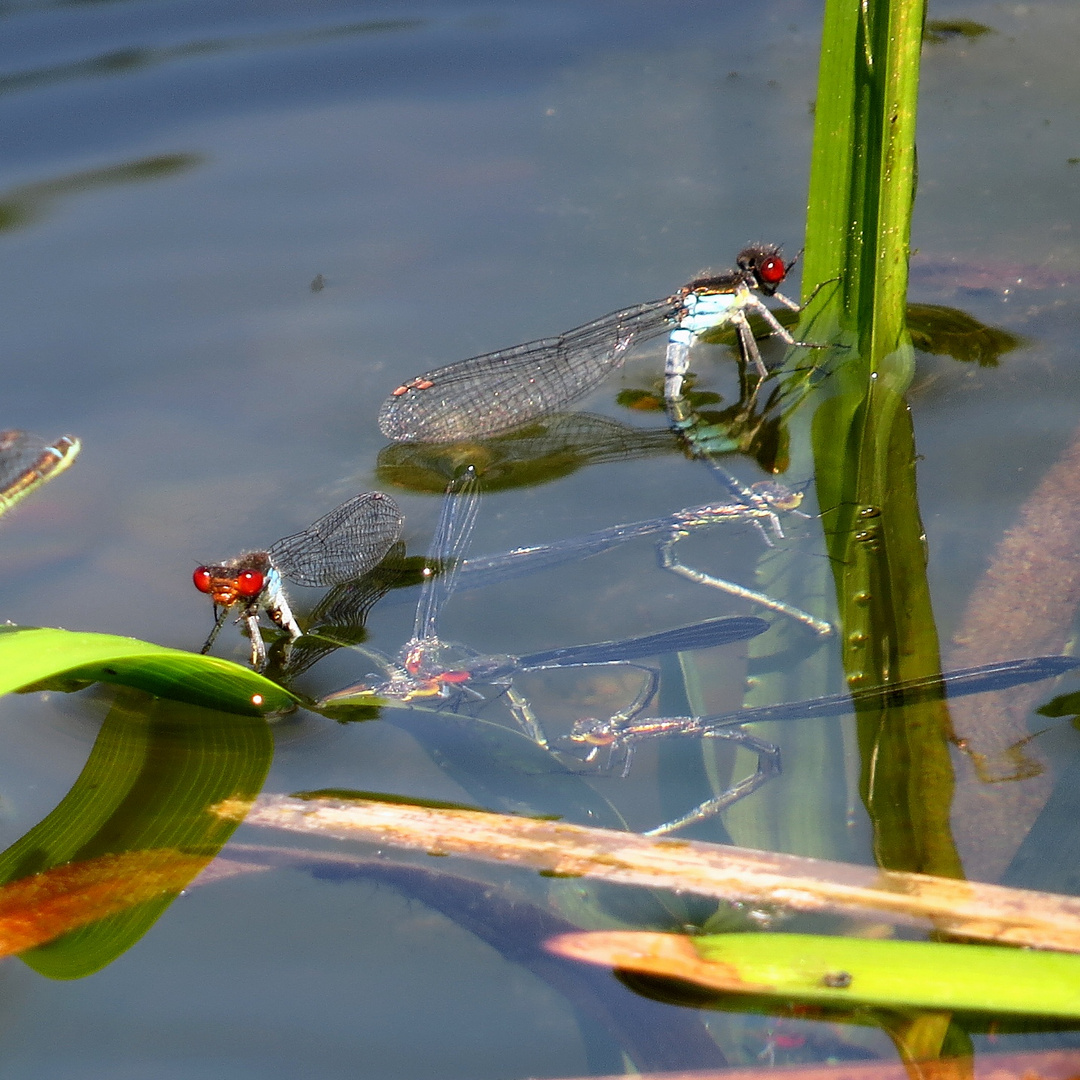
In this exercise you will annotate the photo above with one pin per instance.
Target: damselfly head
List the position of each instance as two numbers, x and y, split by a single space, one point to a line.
766 264
234 582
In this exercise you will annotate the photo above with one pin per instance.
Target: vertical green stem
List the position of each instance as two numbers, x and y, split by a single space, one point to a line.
861 193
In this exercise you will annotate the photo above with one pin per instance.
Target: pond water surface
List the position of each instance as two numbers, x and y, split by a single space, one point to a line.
460 177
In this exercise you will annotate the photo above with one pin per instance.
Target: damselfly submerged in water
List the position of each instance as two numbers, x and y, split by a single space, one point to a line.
499 391
429 670
342 546
595 736
760 505
28 461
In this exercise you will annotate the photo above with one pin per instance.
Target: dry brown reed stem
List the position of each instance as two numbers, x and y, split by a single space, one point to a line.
965 909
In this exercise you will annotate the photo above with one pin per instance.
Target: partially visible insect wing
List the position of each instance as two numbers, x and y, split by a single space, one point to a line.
701 635
342 546
28 461
339 617
499 391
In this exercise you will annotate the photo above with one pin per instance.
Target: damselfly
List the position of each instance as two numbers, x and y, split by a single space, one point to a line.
496 392
427 669
760 505
340 547
622 737
28 461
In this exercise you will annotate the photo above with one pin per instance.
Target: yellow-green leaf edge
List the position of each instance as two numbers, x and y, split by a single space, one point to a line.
847 972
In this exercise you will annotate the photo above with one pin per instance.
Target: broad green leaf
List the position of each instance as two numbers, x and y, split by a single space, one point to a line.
30 656
900 974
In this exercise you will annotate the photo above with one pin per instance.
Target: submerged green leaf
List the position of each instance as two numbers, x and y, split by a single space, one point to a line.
652 400
155 771
38 909
951 332
938 31
22 205
352 795
1062 705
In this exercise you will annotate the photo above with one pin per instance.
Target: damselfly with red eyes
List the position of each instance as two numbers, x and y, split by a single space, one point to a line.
341 546
500 391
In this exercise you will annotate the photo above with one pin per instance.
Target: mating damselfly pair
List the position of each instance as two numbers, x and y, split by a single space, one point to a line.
434 676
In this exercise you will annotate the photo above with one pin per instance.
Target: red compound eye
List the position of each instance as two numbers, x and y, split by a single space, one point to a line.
250 582
772 270
201 577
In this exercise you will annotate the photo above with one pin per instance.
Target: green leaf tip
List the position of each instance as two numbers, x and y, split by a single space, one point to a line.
63 659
